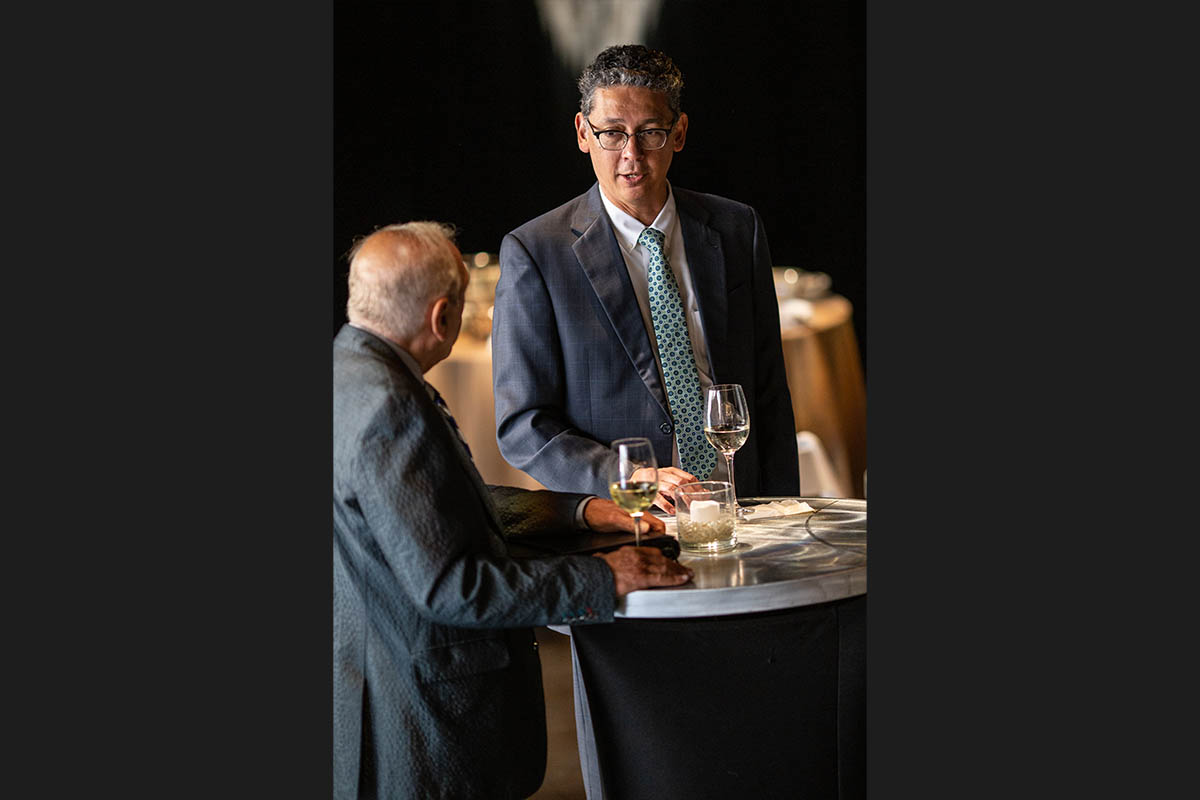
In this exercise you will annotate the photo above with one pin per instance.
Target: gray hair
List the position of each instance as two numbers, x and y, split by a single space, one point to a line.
631 65
392 292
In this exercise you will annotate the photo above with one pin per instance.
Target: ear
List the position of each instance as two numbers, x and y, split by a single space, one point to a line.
439 318
680 132
582 132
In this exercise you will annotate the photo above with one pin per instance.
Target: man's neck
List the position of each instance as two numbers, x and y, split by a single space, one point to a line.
644 213
401 348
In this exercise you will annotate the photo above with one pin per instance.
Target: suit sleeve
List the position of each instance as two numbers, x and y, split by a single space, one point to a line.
779 472
531 513
532 428
432 530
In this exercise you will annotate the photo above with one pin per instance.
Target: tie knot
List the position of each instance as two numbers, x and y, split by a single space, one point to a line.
651 236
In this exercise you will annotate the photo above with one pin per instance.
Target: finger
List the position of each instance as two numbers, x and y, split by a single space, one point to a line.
674 572
651 524
685 477
665 573
653 558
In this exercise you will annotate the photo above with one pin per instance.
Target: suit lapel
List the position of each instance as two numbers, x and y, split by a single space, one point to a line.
600 257
706 260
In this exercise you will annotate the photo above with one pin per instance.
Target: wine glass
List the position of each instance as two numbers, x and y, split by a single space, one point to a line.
633 479
726 426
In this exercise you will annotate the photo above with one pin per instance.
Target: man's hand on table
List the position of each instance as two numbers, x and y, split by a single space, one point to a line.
605 516
633 567
642 568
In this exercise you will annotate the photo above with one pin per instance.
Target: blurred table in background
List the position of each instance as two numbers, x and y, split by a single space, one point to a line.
829 395
820 354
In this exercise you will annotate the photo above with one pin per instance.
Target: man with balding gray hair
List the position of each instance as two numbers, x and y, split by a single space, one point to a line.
436 680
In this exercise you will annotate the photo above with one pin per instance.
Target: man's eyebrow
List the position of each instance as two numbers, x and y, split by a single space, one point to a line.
620 120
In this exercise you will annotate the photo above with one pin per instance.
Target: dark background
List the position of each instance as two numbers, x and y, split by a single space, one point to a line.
462 111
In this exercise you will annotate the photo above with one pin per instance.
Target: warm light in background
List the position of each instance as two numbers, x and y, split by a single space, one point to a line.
482 259
790 275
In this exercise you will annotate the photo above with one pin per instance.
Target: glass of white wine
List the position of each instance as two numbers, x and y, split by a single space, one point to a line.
726 426
633 479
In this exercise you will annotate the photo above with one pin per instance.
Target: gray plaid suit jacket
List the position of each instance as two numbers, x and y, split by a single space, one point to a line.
437 688
572 363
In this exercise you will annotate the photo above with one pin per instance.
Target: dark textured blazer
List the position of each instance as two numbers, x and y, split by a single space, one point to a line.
437 689
573 367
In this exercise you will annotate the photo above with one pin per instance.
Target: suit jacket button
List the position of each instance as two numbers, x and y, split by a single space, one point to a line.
665 427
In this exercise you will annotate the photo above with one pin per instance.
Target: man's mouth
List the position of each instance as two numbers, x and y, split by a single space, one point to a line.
632 177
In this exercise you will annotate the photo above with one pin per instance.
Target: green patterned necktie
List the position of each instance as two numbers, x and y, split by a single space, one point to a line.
696 455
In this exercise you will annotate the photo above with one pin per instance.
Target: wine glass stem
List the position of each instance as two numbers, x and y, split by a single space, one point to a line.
637 530
732 485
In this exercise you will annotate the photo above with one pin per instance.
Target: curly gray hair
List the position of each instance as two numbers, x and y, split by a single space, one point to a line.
631 65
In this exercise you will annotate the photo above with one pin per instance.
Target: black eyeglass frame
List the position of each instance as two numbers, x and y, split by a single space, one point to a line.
625 143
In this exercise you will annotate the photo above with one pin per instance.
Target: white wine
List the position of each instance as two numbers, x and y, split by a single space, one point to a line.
726 438
635 496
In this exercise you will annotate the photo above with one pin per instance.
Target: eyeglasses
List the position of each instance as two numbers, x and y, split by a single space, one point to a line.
648 139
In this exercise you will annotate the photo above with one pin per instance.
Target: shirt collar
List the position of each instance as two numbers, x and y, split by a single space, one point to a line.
628 228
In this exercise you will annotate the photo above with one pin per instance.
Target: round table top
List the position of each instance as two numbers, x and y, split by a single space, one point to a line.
779 562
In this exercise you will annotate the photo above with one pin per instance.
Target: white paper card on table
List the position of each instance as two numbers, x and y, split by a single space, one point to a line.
780 508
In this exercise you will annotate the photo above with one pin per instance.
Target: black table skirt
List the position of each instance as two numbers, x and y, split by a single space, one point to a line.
751 705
